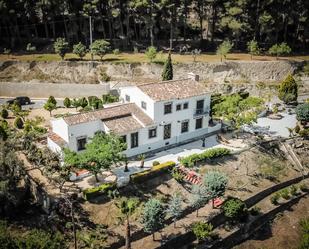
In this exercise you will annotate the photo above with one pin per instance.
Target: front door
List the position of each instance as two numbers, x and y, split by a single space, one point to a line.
167 131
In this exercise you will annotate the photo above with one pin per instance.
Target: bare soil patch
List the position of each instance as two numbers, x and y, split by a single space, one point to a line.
283 232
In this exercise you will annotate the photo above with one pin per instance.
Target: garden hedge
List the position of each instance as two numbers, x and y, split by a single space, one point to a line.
153 172
99 190
191 160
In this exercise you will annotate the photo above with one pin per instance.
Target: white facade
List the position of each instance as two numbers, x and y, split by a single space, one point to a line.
182 121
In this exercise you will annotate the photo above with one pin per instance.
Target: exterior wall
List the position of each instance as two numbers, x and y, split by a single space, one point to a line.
147 144
60 127
53 146
83 129
154 110
137 96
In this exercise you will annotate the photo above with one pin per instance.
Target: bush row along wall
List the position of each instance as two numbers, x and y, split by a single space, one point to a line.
189 161
152 173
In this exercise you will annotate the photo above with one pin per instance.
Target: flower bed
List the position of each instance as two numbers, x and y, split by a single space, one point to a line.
96 191
190 161
151 173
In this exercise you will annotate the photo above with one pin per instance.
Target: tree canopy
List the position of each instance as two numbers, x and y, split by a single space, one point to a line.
238 110
130 23
103 151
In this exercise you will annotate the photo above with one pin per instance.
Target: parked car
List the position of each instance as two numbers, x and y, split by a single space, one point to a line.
22 100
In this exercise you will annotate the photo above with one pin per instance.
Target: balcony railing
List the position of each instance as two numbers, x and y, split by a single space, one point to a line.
201 111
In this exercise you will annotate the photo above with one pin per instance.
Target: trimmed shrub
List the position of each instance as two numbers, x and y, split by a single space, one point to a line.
154 163
255 211
178 176
18 123
234 208
191 160
103 189
202 230
285 194
302 112
67 102
4 113
275 198
303 187
109 98
293 190
105 77
151 173
116 51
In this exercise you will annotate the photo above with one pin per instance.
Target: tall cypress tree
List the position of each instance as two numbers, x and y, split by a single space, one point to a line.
167 73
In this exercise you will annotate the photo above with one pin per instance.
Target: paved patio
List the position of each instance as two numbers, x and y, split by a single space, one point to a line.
172 154
278 127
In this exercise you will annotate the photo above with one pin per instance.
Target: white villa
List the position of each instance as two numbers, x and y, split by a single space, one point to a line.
149 117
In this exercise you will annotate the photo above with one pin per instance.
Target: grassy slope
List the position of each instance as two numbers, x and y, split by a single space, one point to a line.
139 57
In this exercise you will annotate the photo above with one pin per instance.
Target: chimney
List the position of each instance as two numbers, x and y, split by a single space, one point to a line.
193 76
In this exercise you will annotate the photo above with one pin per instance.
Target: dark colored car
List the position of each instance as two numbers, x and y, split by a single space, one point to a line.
22 100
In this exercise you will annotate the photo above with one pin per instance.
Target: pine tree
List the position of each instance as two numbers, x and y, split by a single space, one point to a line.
167 73
174 207
215 184
153 216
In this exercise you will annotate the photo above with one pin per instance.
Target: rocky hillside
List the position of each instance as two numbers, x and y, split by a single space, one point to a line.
88 72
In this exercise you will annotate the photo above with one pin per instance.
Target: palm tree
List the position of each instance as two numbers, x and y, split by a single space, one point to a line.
127 207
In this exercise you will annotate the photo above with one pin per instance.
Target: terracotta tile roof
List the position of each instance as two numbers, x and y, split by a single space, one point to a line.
57 139
123 124
174 89
119 111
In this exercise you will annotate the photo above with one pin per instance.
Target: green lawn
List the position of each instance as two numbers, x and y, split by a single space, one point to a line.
140 57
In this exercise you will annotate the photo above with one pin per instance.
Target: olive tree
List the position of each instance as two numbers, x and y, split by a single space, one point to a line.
100 48
61 47
253 48
80 50
224 48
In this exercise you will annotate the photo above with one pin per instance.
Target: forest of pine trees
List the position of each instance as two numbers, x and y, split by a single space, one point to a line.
140 23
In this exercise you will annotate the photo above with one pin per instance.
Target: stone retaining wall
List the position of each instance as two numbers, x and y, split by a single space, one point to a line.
44 90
